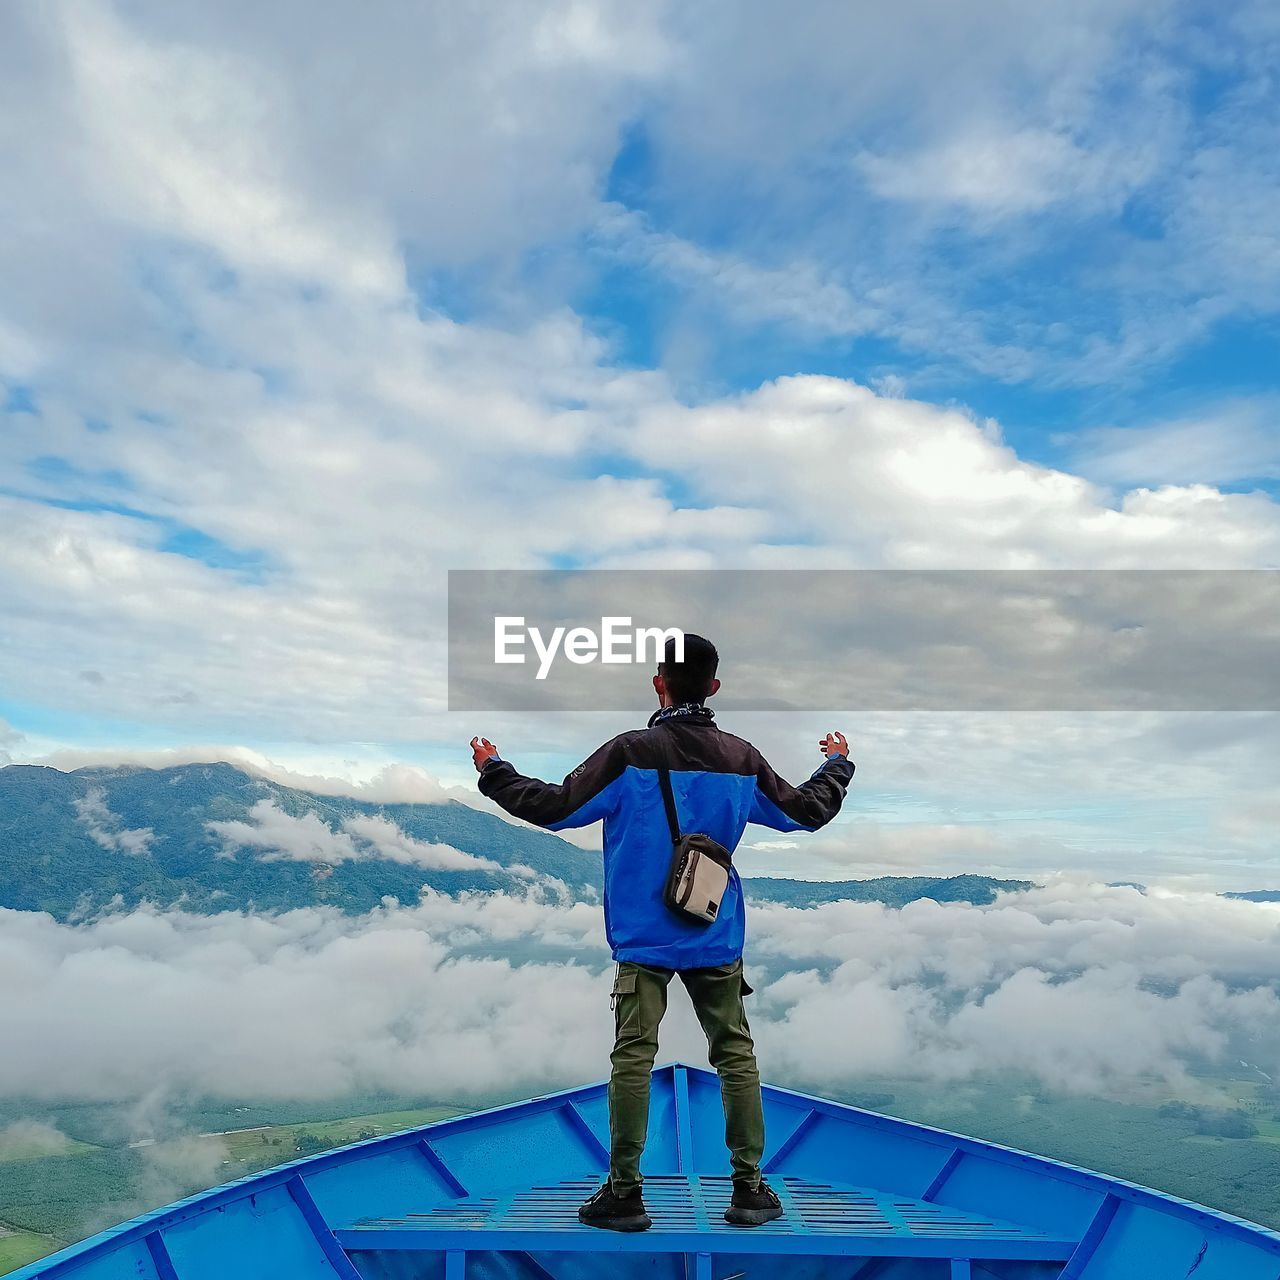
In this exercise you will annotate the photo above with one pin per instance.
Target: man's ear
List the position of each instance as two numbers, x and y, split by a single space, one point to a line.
715 686
659 686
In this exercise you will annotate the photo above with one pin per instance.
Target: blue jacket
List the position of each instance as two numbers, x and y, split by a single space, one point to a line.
720 782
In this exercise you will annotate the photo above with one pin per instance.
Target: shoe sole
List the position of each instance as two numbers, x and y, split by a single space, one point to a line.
641 1223
750 1217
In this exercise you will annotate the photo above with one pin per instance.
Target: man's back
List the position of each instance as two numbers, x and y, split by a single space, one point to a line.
720 782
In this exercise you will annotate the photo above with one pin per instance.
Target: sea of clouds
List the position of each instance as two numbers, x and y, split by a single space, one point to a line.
1076 986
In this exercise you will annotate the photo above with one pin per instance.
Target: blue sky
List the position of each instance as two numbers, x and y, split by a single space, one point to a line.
592 285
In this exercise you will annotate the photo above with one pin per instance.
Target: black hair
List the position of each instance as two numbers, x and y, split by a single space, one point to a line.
690 680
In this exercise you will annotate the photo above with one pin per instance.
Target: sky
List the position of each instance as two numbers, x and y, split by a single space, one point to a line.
304 305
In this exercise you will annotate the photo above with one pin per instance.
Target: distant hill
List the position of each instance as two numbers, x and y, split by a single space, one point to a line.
71 842
211 838
894 891
1257 895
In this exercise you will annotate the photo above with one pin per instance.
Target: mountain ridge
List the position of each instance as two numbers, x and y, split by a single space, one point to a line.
72 842
214 836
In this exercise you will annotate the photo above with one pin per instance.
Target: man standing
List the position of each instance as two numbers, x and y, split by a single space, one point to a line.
719 784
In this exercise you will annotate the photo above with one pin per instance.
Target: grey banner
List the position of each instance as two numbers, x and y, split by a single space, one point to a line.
1059 640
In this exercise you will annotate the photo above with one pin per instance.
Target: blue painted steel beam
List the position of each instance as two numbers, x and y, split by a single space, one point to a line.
789 1144
578 1123
160 1257
536 1267
1091 1239
869 1269
961 1269
939 1179
684 1122
440 1169
333 1252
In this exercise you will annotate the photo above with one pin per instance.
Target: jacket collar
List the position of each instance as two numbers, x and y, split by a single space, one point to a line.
685 713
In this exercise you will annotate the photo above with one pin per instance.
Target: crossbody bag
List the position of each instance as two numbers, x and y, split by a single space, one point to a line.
699 872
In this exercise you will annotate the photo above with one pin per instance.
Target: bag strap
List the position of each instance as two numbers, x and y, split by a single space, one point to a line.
669 802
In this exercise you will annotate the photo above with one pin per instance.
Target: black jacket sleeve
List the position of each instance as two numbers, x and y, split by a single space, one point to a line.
584 797
804 808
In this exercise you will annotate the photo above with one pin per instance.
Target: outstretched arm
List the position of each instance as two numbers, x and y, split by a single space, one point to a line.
813 803
585 796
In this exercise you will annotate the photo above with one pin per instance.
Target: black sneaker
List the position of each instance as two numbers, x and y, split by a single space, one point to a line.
615 1213
753 1208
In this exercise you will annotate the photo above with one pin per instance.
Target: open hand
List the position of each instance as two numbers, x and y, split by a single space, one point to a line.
834 744
482 751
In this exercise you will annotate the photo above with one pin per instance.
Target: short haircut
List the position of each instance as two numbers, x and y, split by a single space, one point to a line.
690 680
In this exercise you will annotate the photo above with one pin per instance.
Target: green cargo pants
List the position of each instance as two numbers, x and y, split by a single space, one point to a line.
639 1002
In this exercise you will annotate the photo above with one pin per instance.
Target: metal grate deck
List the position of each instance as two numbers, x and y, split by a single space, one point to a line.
819 1218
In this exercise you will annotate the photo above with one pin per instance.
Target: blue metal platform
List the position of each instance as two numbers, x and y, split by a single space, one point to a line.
494 1196
819 1219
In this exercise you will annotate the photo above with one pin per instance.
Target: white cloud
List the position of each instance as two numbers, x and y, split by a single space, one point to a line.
171 1169
994 173
310 142
187 142
1037 983
233 1004
282 836
308 837
1066 111
797 294
386 840
376 781
1230 444
26 1139
968 189
10 738
387 784
850 478
863 849
108 828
